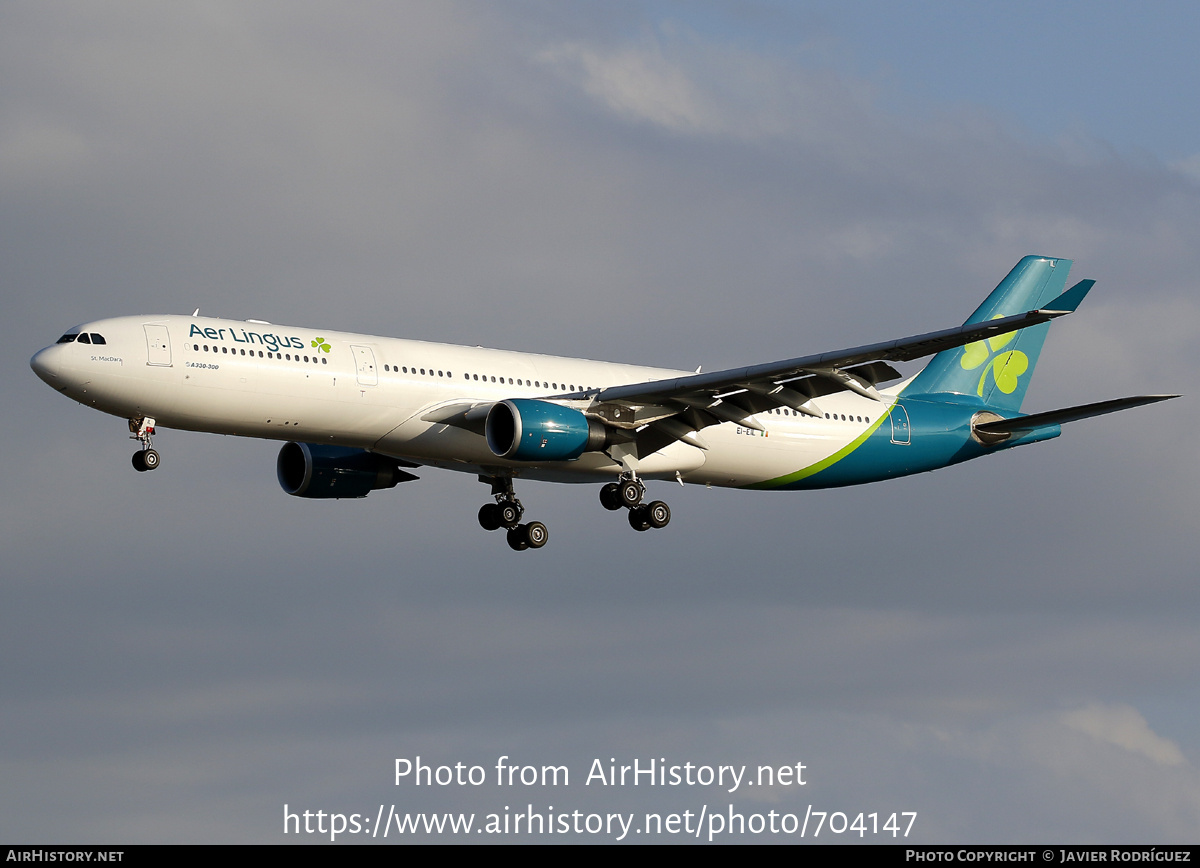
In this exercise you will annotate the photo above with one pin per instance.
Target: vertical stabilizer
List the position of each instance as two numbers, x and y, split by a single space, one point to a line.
998 370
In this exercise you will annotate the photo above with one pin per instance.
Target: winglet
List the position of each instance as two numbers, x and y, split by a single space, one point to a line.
1070 300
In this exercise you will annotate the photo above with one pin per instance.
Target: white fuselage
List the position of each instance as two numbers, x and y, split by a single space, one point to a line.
255 379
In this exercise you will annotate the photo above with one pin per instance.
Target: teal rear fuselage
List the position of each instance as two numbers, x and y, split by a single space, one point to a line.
915 435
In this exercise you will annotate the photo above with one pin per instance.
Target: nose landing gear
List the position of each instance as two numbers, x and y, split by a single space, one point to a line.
142 430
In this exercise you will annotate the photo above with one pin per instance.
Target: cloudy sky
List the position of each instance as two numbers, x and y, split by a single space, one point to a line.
1008 648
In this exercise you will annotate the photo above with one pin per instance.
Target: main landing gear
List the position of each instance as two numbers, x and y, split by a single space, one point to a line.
142 430
628 493
506 512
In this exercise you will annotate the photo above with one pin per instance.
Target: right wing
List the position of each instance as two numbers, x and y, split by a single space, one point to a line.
664 411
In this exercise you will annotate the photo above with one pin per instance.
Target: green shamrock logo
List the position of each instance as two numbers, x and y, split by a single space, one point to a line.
1006 368
323 347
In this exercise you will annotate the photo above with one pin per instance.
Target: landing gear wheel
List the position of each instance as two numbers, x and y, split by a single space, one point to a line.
516 539
510 514
141 429
489 516
630 492
536 534
639 518
610 496
658 513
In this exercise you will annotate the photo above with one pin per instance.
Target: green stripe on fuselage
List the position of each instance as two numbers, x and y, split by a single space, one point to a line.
824 463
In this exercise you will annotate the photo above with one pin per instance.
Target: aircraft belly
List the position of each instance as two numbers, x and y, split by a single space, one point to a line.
244 401
677 457
741 456
283 417
450 446
434 442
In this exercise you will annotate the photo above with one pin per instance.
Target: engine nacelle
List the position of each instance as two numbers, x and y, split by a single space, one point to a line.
315 470
523 429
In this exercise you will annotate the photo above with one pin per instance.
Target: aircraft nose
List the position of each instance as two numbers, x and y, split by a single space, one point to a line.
47 364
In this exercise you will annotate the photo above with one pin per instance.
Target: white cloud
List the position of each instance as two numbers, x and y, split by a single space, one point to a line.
1123 726
642 84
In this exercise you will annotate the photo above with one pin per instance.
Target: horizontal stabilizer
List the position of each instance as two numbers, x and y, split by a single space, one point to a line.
1069 414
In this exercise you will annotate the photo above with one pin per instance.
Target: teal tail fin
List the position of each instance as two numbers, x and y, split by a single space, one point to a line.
997 370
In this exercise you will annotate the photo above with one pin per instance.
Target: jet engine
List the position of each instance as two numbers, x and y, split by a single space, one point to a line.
319 471
524 429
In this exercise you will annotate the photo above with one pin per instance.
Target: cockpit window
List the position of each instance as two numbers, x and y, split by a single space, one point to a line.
98 339
67 338
84 339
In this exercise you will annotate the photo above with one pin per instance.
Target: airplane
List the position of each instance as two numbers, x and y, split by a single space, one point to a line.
358 412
